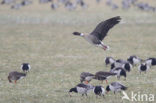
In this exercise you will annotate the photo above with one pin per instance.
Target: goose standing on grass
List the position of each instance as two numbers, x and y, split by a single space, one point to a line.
120 72
151 61
15 76
109 60
86 76
81 89
99 91
143 67
100 32
124 64
103 76
134 60
25 67
115 87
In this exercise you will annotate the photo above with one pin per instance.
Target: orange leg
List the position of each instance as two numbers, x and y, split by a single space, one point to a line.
86 82
106 81
15 81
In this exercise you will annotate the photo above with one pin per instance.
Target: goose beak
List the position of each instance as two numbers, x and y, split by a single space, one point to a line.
106 81
86 82
106 48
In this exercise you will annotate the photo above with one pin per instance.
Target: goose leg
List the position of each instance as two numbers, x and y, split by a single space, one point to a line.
103 96
15 81
106 81
86 82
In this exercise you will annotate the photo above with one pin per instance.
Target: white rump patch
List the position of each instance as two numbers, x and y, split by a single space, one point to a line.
81 34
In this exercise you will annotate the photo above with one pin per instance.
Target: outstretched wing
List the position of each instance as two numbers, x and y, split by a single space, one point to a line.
102 28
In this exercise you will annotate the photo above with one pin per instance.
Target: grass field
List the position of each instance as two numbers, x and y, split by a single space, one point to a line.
44 38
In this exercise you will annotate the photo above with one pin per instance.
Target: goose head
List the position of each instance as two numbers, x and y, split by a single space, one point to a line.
78 34
72 90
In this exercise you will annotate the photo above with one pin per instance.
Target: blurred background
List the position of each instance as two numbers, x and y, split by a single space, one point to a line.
60 11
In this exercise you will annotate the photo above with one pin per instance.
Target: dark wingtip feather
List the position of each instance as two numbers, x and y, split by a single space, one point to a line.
117 18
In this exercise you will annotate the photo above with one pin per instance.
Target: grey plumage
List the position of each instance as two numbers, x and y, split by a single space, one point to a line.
102 29
100 32
54 6
16 6
109 60
150 61
15 76
44 1
101 75
120 72
26 2
115 87
81 89
7 1
134 60
122 63
86 76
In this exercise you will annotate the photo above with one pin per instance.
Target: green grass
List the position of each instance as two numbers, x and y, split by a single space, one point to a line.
44 39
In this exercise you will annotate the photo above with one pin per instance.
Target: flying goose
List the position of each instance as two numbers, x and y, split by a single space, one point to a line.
115 87
100 32
15 76
99 90
101 75
81 89
25 67
86 76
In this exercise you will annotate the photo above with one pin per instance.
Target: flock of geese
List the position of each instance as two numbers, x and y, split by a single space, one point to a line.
14 75
73 4
118 67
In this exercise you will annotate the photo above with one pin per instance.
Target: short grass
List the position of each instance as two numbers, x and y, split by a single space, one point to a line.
44 38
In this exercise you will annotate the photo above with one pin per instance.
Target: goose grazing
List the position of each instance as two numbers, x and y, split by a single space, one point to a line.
119 71
115 87
124 64
151 61
86 76
81 89
143 67
25 67
103 75
15 76
109 60
100 32
134 60
116 65
99 90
